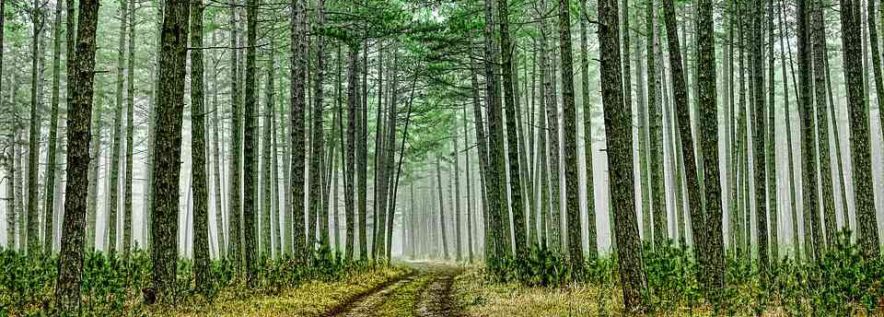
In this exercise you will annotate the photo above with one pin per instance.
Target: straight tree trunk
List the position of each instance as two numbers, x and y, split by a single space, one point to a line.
572 180
618 127
268 177
552 115
818 32
170 112
758 141
130 133
218 153
511 107
770 148
708 117
591 234
349 166
656 135
317 152
496 171
234 208
250 138
808 143
199 171
796 246
861 157
114 180
51 155
33 229
80 87
299 104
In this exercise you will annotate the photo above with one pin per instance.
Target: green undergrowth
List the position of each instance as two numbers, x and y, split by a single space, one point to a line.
839 283
112 285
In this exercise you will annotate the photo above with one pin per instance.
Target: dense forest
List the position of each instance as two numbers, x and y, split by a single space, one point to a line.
441 158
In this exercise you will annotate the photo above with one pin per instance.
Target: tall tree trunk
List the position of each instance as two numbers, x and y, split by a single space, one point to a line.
496 171
349 166
130 133
317 153
819 48
33 229
79 99
299 104
758 132
269 178
442 230
861 157
683 120
591 234
552 115
796 246
572 180
511 116
469 190
250 170
170 112
114 180
770 148
708 117
218 153
656 135
808 143
51 155
362 149
617 128
234 208
199 169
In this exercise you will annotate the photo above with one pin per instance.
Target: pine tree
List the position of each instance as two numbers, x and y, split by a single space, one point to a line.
79 100
617 128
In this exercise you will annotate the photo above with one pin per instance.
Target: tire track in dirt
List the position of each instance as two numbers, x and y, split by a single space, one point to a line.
434 299
437 300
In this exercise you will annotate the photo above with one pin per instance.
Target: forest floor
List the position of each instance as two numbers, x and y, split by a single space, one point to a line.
405 289
426 292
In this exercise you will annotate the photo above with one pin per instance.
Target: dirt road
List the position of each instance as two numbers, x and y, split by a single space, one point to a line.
426 293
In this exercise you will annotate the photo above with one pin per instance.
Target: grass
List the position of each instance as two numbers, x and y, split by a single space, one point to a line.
312 298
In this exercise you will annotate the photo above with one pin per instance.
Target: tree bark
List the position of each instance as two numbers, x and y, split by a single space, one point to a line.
170 112
617 128
198 153
80 84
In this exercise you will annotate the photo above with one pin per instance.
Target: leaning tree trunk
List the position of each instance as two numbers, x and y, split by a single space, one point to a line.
682 111
618 129
80 84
